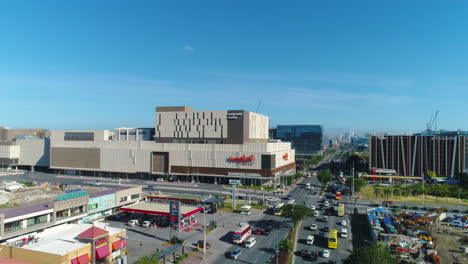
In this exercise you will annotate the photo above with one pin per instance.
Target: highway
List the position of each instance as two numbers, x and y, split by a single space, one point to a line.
320 243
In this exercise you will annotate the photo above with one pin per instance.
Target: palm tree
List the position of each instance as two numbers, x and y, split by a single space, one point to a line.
286 245
387 192
397 191
377 191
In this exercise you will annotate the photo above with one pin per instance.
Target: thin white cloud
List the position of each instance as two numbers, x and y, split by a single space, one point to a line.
188 48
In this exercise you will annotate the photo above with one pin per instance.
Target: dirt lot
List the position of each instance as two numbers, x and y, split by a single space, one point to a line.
448 244
35 195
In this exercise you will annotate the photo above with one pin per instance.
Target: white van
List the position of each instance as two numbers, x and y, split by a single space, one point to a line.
344 232
310 240
308 185
250 242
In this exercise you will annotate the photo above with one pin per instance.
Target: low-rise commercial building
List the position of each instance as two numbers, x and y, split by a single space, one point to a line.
69 244
71 207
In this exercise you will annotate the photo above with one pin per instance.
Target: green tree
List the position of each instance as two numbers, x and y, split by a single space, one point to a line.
286 245
372 254
148 260
358 183
377 191
297 213
324 176
463 178
431 174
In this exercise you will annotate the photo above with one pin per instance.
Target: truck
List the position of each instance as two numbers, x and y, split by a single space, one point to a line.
340 210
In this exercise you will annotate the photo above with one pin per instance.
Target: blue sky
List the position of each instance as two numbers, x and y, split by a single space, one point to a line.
362 65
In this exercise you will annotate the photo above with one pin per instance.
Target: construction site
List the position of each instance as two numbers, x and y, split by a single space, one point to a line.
421 237
16 194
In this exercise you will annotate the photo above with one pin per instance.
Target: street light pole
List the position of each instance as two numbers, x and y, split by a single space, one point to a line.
353 179
204 231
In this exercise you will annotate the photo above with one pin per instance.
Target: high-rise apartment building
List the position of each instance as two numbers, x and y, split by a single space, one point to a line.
444 153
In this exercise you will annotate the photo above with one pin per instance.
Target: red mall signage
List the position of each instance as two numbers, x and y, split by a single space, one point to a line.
101 242
285 156
242 159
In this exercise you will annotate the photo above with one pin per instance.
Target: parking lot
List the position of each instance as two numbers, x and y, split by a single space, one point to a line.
147 241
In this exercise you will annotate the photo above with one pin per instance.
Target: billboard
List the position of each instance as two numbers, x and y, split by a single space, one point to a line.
174 212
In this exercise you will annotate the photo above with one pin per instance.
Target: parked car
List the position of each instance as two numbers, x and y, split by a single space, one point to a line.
343 222
159 179
303 253
326 253
344 232
200 244
272 199
312 207
250 242
313 227
146 224
325 218
326 229
312 257
316 214
133 222
310 240
96 183
261 231
236 253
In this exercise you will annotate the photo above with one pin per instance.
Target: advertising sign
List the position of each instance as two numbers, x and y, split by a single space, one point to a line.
174 212
233 116
234 182
70 194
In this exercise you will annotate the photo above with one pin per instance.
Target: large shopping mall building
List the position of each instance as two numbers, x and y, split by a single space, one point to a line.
186 145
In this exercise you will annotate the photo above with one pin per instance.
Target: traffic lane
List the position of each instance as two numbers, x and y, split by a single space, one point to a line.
263 251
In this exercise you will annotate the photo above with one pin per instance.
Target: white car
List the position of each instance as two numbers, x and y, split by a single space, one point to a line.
327 204
326 253
312 207
313 227
316 214
159 179
96 183
343 222
344 232
272 199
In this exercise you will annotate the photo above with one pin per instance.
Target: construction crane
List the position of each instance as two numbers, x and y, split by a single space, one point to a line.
433 121
258 106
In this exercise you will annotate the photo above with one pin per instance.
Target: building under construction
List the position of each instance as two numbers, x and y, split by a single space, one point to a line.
442 152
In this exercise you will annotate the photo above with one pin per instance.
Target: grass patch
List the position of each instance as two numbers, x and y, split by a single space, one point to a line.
28 184
268 189
368 194
228 205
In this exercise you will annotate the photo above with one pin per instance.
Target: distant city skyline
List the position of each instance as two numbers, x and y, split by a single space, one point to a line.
364 65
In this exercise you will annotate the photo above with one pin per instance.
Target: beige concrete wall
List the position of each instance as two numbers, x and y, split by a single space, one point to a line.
191 124
34 152
85 158
28 255
258 127
128 193
132 157
9 151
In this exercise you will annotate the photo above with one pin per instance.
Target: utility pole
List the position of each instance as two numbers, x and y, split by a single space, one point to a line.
353 179
423 188
204 231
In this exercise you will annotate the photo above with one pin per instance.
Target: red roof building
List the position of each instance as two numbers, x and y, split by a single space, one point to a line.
93 232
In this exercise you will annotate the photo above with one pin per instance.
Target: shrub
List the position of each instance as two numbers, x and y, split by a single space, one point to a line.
415 207
456 210
466 212
405 207
426 208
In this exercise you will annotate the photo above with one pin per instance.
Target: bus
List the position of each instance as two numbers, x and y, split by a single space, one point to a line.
340 210
278 209
241 234
338 196
333 239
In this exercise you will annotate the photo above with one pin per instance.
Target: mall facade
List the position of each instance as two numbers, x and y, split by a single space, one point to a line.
187 145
